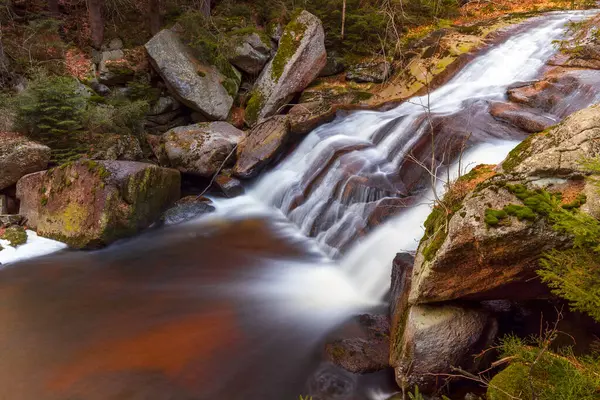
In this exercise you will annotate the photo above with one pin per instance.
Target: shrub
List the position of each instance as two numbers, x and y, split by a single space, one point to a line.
50 109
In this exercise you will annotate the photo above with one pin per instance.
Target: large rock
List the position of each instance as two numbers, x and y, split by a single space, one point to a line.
299 59
560 151
20 156
195 83
250 52
90 204
437 338
546 95
262 145
306 117
202 149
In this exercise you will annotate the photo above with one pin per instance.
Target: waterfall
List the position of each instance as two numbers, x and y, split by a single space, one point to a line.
347 173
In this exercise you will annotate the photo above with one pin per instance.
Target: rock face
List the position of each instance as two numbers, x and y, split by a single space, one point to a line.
436 338
250 52
374 72
559 152
196 84
20 156
263 143
368 352
90 204
299 59
200 149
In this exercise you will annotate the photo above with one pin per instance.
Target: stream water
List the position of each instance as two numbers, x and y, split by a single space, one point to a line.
238 304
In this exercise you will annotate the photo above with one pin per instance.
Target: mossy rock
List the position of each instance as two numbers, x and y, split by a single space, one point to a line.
16 235
89 204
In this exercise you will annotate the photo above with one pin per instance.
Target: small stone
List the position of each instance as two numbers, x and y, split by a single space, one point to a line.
230 187
186 209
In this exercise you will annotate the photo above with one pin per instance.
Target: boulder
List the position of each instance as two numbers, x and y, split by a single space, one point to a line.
250 52
306 117
522 118
116 147
202 149
368 351
195 83
559 151
163 105
372 72
436 338
262 145
20 156
299 59
229 186
187 209
479 262
91 204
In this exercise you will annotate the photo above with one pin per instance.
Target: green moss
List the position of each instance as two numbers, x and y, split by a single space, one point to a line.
521 212
580 200
288 44
254 106
16 235
44 200
435 231
494 217
518 154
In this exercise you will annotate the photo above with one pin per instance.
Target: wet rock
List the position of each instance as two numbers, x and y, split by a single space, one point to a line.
559 151
20 156
374 72
194 82
402 269
229 186
116 147
333 66
364 354
250 52
262 145
547 94
306 117
201 149
520 117
299 59
187 209
7 220
91 204
436 338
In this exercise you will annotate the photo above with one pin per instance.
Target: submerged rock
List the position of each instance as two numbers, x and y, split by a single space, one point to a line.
520 117
299 59
20 156
202 149
262 145
187 209
194 82
91 204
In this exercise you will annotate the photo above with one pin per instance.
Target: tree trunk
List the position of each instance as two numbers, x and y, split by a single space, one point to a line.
95 12
53 7
205 7
154 17
343 18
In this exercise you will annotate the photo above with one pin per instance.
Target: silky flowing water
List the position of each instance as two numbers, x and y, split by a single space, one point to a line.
238 304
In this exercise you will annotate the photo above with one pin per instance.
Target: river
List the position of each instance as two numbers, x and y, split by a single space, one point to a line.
238 304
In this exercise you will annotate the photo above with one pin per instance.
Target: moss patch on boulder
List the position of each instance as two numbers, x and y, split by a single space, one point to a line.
16 235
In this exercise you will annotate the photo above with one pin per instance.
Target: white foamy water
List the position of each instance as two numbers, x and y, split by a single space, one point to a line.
36 246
